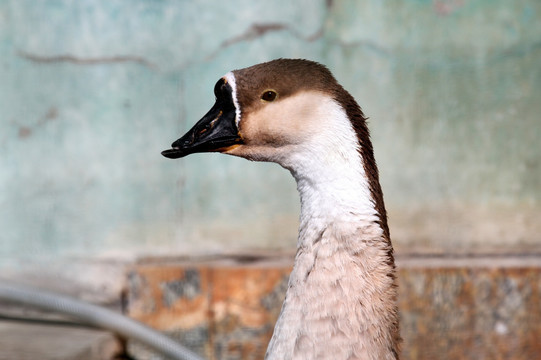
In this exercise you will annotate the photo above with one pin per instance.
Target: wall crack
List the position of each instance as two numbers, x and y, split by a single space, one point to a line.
68 58
259 30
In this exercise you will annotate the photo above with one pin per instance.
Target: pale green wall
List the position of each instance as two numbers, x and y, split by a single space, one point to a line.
92 91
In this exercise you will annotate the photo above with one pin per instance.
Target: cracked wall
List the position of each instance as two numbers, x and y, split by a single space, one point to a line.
91 92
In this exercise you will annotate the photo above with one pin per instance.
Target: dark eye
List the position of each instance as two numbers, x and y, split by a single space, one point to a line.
269 95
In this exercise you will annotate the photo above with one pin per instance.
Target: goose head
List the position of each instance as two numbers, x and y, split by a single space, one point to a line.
269 112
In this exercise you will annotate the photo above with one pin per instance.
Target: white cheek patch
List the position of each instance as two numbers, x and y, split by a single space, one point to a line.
230 78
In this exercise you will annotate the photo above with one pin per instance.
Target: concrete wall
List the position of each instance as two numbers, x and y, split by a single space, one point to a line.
92 91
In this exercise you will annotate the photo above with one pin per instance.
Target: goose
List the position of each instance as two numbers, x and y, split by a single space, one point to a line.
341 297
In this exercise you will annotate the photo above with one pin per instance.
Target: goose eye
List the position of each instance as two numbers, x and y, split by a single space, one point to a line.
269 95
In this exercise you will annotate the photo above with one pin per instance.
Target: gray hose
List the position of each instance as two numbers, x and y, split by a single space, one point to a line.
97 316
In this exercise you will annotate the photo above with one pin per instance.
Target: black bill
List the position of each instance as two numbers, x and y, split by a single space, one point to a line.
216 131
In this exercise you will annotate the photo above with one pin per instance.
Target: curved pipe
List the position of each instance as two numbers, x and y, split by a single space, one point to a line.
98 317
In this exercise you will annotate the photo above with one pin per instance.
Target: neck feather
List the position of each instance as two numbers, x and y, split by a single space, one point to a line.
341 301
331 177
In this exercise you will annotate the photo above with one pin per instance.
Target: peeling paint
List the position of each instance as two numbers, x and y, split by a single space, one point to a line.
188 287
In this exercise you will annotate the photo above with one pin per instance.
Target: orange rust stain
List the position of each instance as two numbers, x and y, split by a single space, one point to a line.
229 303
238 292
184 313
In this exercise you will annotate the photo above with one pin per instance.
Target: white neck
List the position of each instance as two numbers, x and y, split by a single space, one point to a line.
340 302
330 176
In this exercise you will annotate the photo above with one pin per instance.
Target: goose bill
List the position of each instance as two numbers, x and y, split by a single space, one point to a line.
215 132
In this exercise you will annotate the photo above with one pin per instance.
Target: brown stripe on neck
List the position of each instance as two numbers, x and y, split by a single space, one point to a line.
358 121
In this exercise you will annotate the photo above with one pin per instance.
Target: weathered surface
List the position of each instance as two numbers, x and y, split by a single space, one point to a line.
91 93
460 313
451 308
222 312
